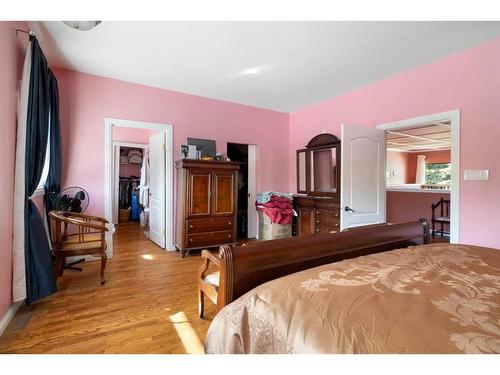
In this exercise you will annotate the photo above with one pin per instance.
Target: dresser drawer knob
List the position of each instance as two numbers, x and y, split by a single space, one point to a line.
229 223
228 236
337 215
191 226
317 212
317 221
333 231
191 240
336 225
317 229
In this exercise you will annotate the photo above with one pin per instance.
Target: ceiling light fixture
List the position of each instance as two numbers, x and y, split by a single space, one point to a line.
82 25
255 70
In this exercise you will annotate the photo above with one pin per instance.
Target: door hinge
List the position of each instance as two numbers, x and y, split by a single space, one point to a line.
164 146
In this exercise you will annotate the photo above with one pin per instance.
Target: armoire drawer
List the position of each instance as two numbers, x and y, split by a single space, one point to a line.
209 225
209 238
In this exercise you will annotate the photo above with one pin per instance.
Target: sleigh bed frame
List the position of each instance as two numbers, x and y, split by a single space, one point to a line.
242 268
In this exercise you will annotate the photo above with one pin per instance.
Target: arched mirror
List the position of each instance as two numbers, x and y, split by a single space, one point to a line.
318 167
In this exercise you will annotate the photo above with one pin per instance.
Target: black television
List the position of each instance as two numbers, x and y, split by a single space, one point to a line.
206 146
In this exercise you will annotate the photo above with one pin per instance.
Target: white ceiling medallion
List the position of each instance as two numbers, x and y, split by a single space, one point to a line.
82 25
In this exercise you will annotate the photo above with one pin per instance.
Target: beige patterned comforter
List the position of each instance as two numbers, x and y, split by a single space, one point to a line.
424 299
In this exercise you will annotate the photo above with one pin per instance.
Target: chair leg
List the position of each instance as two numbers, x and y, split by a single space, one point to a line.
201 303
104 258
58 265
62 261
433 229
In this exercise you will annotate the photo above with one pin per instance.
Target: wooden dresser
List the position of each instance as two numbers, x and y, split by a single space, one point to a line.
318 185
317 215
207 197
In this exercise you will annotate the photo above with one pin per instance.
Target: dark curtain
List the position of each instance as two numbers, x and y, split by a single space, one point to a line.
53 182
40 280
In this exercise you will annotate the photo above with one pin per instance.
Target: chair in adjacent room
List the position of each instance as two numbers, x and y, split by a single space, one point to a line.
74 234
441 217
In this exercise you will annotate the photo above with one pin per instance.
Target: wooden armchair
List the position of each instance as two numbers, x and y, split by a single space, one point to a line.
442 217
74 234
208 284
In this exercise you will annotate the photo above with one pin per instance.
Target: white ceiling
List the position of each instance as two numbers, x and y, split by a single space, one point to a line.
298 63
429 137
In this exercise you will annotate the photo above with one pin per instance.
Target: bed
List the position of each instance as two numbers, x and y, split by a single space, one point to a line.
394 298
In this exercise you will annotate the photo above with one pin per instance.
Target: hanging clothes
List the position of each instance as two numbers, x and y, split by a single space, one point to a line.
144 184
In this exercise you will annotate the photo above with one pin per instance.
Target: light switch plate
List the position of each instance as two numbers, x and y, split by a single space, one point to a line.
476 175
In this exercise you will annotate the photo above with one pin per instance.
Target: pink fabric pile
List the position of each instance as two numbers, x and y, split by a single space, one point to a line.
278 208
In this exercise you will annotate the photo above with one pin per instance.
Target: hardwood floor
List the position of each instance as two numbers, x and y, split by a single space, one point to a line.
147 305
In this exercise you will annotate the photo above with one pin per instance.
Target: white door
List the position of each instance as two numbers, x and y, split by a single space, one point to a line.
252 191
116 183
157 189
362 195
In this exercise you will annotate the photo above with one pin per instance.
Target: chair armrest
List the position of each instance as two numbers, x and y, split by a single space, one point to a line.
210 256
89 217
207 258
79 222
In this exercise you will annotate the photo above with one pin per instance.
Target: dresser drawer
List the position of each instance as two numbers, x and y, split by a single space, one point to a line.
209 238
327 227
209 225
326 214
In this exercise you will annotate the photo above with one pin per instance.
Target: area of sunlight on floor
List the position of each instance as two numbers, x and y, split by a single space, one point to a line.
186 333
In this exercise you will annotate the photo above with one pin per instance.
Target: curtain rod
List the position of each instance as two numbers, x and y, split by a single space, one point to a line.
30 33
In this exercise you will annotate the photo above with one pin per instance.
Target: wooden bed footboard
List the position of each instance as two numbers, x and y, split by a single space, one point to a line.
245 267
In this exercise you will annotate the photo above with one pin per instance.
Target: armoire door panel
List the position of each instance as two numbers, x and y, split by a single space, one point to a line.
199 194
224 191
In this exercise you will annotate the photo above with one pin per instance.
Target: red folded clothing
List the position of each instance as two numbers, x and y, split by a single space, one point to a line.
271 204
277 215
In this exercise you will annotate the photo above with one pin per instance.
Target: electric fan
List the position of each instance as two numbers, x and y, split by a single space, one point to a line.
73 199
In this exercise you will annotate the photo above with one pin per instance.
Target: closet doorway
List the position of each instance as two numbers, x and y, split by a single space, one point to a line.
247 191
156 140
129 170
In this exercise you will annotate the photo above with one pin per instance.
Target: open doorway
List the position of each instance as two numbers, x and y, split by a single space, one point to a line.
131 171
152 142
246 216
422 170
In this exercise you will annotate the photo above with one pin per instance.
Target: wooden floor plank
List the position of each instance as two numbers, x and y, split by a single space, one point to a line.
131 313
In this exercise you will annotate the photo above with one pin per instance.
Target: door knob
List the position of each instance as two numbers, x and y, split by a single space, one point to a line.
347 209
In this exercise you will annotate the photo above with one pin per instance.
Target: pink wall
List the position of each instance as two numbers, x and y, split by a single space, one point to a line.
86 100
11 60
403 206
121 134
468 81
397 162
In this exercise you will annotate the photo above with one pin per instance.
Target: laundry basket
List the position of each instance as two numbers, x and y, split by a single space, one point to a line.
124 215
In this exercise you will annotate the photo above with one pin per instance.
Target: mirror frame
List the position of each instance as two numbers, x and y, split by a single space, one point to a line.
306 161
319 142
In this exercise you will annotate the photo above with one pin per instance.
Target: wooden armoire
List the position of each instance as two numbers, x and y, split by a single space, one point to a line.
207 198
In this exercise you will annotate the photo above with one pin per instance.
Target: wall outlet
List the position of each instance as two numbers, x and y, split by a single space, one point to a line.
476 175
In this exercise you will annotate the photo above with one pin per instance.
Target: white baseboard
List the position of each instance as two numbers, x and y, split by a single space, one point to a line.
4 323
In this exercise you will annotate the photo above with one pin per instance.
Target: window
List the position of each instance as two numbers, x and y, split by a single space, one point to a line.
438 173
45 171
